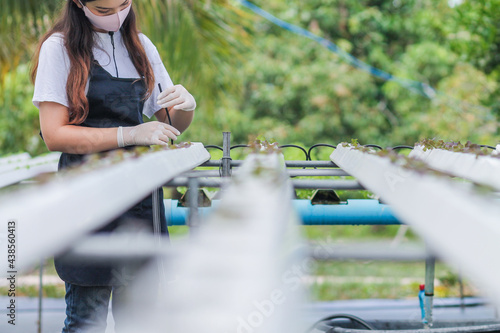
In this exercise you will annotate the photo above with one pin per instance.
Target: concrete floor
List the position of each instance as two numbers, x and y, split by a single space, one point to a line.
404 310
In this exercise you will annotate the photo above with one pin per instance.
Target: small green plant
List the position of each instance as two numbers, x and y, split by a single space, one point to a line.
403 161
457 147
264 147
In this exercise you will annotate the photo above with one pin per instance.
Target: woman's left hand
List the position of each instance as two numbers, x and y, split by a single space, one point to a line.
178 98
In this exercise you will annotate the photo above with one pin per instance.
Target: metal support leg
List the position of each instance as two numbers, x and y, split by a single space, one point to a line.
226 154
193 220
40 297
157 234
430 264
461 286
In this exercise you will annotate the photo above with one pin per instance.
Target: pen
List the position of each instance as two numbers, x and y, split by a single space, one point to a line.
168 114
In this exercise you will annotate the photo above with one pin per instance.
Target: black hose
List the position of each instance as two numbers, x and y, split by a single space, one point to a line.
401 147
238 146
487 328
319 145
373 146
308 158
487 146
213 146
342 315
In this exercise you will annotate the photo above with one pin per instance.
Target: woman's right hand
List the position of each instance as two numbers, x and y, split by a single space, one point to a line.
150 133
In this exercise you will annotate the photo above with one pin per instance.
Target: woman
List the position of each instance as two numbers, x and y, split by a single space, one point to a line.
95 76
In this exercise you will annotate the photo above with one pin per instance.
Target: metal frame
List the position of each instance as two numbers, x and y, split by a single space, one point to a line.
370 172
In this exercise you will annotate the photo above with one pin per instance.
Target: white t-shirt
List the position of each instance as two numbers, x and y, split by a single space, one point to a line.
54 63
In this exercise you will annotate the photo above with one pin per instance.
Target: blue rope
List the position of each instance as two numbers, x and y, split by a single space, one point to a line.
415 86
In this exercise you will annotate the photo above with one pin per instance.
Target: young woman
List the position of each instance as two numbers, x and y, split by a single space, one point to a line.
95 76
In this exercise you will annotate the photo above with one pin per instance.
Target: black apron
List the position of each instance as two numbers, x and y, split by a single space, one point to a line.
113 102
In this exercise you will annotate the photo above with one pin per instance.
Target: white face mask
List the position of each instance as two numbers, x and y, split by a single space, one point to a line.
111 22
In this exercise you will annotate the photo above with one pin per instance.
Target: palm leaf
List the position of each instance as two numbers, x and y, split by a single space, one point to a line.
21 23
199 40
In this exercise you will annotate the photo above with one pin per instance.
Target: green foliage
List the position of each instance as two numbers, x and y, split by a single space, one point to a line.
329 291
19 124
477 34
251 77
375 279
198 41
310 95
21 23
48 290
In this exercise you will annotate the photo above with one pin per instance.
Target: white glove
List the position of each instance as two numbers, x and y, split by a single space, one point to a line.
178 97
150 133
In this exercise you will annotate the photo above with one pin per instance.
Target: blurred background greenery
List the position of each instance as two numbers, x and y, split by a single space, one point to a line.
251 77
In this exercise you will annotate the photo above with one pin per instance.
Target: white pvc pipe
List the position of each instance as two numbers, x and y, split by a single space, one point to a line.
52 216
480 169
14 158
238 273
22 169
461 226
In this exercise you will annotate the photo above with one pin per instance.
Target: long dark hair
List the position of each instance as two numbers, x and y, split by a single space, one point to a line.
79 41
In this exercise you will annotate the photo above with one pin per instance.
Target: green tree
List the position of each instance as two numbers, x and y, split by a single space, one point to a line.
477 34
476 38
252 77
199 40
21 23
297 86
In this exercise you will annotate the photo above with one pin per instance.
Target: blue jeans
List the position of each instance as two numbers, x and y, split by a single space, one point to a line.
87 308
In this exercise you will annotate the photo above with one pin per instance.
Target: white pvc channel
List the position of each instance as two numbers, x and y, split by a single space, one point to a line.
461 227
238 272
480 169
52 216
20 167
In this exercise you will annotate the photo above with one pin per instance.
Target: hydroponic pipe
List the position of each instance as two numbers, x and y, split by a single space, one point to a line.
352 212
